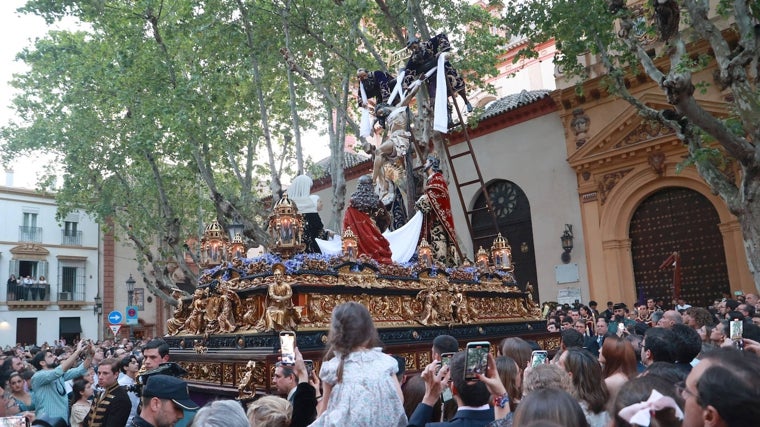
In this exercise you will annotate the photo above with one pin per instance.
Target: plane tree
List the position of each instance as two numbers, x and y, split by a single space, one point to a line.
615 31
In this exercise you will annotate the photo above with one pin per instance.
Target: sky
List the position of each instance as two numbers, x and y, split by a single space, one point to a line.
16 32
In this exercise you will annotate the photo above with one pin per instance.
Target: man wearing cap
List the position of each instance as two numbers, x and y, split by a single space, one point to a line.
164 399
155 353
113 406
619 318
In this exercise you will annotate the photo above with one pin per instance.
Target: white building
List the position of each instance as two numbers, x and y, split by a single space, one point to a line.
34 243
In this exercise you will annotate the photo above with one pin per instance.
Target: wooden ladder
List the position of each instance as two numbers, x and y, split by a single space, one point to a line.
469 152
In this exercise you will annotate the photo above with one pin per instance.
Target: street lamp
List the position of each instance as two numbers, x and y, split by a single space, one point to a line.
567 243
98 308
130 295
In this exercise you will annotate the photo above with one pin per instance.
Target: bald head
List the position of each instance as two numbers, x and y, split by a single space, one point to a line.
669 319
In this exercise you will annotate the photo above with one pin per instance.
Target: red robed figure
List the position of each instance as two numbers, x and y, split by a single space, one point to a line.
438 195
370 240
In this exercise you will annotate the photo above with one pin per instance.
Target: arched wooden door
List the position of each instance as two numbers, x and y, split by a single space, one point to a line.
682 220
512 210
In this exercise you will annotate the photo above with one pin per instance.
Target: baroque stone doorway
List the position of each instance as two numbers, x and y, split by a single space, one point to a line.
678 219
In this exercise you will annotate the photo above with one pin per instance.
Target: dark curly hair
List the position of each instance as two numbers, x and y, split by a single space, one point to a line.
364 198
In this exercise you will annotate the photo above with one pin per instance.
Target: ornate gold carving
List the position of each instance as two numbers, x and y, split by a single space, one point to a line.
280 314
195 321
430 298
549 343
246 383
199 347
228 374
608 182
203 372
181 311
425 359
230 302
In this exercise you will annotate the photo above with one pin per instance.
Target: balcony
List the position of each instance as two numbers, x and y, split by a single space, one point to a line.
40 297
30 234
34 297
71 238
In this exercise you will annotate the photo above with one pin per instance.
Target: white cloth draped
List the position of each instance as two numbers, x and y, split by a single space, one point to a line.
298 193
365 127
398 90
441 117
403 241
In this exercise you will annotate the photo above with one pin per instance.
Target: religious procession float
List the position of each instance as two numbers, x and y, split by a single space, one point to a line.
227 335
414 279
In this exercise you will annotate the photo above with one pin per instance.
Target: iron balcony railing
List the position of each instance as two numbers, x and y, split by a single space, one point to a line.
71 238
30 234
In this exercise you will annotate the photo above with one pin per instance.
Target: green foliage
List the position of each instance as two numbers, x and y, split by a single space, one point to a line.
149 94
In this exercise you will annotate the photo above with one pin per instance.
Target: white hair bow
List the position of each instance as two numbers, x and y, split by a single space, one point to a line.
641 413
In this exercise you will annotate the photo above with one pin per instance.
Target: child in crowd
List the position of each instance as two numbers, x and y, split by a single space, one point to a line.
359 380
81 407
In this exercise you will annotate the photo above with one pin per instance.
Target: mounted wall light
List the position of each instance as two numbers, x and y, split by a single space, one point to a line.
567 243
98 308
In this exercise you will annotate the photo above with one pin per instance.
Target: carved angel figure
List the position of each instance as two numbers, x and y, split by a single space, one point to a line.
251 316
230 300
247 380
195 323
430 313
174 324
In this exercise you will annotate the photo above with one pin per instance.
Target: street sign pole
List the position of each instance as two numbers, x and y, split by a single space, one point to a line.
114 318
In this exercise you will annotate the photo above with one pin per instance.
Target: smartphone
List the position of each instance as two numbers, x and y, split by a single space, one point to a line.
476 359
288 347
538 357
446 358
445 361
309 366
737 330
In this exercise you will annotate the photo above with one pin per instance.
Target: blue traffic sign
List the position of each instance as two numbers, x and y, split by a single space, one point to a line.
131 315
115 317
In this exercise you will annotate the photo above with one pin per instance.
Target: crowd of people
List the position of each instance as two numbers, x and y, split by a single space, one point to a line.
682 367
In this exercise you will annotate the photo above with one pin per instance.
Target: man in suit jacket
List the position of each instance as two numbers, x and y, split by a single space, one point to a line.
472 398
594 343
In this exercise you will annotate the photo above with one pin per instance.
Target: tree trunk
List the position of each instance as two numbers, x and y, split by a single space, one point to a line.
292 93
749 219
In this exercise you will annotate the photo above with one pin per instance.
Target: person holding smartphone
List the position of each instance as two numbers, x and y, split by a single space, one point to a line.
305 394
472 396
